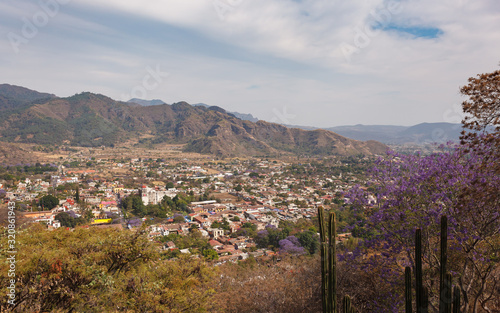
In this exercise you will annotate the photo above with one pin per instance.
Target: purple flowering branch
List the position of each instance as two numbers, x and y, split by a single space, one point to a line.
414 191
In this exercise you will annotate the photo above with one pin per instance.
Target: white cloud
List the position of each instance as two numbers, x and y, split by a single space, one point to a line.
312 31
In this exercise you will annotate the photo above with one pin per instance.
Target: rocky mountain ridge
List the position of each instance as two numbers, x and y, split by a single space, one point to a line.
88 119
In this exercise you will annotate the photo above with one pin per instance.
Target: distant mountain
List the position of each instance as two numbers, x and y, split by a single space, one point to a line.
245 117
248 138
418 134
146 102
201 105
301 127
241 116
383 133
22 94
15 97
88 119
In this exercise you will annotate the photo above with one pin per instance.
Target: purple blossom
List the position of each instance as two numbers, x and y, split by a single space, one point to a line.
263 233
291 245
414 191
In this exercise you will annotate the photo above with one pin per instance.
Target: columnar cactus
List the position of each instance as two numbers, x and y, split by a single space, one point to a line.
444 300
347 306
329 262
408 301
324 260
446 293
324 276
332 264
448 301
418 271
456 299
425 300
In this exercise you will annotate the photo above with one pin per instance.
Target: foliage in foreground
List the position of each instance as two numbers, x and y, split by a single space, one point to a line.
96 270
291 285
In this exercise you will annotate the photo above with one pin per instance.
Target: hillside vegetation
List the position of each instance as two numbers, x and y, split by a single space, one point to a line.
92 120
96 270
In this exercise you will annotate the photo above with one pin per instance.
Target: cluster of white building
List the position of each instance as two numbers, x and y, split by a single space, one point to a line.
155 195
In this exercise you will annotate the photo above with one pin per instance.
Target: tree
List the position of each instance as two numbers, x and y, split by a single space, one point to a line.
210 254
249 225
291 245
271 236
483 113
194 228
178 218
90 270
169 185
247 229
66 220
86 211
223 225
483 138
181 202
138 206
235 219
77 195
413 192
309 240
49 202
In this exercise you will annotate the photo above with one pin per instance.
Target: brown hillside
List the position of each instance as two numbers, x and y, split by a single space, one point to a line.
88 119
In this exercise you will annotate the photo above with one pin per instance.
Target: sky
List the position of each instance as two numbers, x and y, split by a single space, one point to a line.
319 63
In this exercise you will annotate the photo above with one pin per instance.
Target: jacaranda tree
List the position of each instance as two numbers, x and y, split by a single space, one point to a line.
414 192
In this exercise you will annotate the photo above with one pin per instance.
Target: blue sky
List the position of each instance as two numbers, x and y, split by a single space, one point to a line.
312 62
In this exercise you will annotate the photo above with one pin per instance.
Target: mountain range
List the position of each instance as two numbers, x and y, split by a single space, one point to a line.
88 119
424 133
420 134
241 116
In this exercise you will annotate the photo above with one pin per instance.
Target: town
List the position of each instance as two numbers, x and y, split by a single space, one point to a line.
215 208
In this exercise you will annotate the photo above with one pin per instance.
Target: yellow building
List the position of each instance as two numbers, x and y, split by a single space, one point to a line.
101 221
